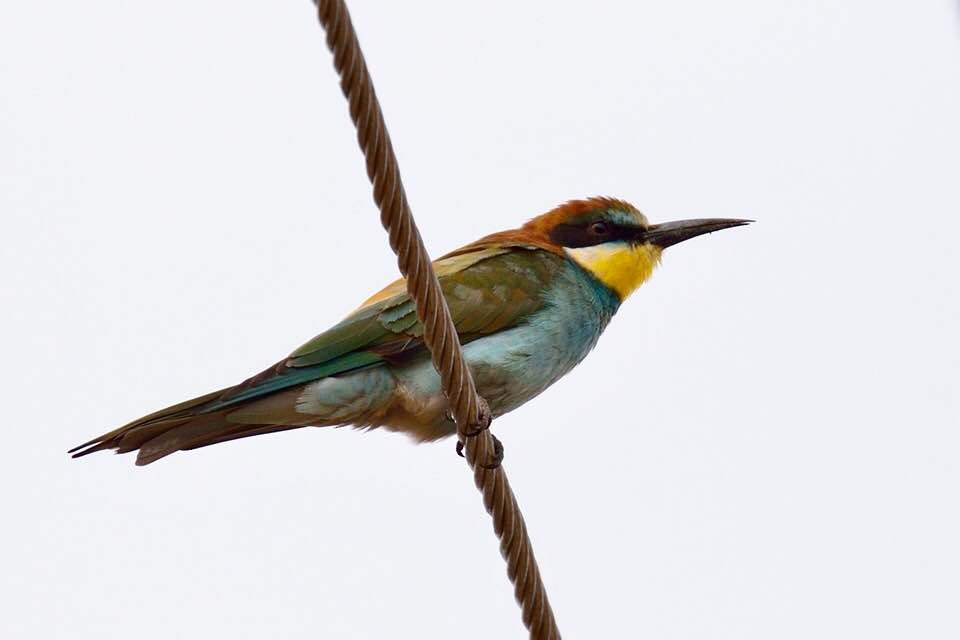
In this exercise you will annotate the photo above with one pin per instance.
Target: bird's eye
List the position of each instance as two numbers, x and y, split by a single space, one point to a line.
599 228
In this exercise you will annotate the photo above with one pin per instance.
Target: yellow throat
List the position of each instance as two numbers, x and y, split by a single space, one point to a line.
621 266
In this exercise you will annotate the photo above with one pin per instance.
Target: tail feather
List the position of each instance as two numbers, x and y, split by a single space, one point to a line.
136 434
249 430
197 423
187 435
221 416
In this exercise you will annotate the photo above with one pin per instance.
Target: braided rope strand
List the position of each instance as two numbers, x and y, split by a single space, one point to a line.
469 410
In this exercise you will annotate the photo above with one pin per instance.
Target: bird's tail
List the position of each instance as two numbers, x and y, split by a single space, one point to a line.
183 426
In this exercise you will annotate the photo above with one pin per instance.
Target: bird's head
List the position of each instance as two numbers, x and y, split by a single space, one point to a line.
612 240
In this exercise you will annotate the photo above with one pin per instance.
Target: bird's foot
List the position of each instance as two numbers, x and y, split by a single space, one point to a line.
484 418
497 453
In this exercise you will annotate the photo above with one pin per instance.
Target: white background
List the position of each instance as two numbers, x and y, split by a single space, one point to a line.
763 445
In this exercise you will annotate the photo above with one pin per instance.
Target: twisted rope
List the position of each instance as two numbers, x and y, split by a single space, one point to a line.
469 410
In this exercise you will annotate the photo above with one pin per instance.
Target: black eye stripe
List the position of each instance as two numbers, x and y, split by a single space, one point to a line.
575 236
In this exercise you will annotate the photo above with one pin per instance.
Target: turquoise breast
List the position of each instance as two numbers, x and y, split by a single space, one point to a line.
510 367
515 365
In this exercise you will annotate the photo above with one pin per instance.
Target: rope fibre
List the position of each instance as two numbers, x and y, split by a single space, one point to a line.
469 410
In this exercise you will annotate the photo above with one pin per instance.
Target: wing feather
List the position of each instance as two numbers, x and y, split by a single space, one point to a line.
487 290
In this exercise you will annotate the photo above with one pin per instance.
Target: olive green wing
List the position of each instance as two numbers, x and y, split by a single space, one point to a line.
487 290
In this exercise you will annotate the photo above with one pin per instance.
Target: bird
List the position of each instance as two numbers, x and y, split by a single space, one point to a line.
528 304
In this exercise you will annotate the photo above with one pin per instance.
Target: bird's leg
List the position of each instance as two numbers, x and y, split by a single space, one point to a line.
497 454
484 418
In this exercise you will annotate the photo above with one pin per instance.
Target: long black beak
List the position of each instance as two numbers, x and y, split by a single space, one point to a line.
670 233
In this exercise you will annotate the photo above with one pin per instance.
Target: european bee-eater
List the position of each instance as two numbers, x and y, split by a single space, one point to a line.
528 304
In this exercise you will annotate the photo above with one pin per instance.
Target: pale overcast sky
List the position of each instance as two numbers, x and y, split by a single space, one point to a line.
765 443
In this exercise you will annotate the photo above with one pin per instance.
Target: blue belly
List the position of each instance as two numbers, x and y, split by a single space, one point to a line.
515 365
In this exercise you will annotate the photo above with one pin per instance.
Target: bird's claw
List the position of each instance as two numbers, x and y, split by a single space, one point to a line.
497 454
484 418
